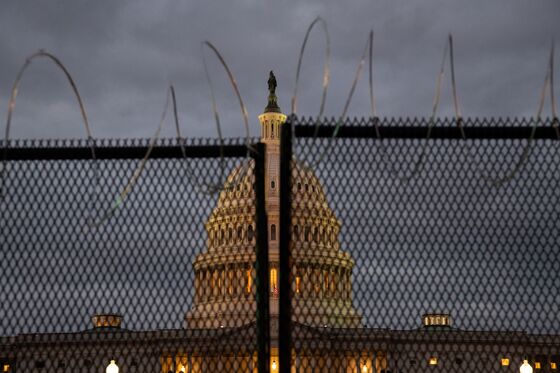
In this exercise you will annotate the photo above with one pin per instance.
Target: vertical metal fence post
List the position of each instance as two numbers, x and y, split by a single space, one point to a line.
285 297
261 264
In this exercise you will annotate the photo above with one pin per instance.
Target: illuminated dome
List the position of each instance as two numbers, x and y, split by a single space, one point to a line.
225 294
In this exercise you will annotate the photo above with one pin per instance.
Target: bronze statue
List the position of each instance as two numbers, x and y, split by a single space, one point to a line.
272 83
272 106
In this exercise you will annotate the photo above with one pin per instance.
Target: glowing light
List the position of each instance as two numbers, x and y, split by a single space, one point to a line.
112 367
6 368
525 367
274 366
433 361
249 281
298 283
364 369
505 362
274 281
553 365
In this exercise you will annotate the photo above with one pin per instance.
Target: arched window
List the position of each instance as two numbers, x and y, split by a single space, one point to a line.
298 284
222 236
273 232
230 234
274 282
315 235
250 233
221 283
307 233
249 281
296 232
215 288
239 233
230 282
238 289
272 184
317 282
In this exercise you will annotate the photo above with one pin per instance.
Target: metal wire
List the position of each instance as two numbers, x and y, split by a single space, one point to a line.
12 104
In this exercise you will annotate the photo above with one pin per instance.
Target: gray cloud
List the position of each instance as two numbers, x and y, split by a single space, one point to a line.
124 54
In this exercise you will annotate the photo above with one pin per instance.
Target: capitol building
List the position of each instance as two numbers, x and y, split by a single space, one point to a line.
328 331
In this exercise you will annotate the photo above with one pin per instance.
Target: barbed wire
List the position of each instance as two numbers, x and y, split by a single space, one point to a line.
419 163
520 164
210 188
237 177
12 104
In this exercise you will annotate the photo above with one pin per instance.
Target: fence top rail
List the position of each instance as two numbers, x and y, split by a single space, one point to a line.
80 149
417 128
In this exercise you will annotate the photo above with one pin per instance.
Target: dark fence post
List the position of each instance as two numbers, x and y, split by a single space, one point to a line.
261 264
285 297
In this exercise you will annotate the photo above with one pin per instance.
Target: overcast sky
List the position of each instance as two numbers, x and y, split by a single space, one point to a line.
123 55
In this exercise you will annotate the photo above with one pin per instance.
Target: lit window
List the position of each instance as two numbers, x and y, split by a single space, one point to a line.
433 361
274 281
6 368
505 362
537 365
298 282
553 365
249 281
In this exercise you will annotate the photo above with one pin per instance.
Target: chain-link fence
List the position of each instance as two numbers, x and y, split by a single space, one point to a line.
412 255
405 254
108 264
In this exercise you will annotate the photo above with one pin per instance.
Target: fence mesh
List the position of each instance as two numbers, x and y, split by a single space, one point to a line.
445 265
165 284
441 267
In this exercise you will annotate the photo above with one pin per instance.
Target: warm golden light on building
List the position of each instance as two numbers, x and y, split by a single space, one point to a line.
249 282
553 365
436 319
537 365
6 368
505 362
106 321
433 360
274 281
298 284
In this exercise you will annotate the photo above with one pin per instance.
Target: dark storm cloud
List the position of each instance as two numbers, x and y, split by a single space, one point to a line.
124 54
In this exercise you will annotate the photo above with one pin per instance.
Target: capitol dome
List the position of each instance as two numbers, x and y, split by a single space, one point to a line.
225 292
